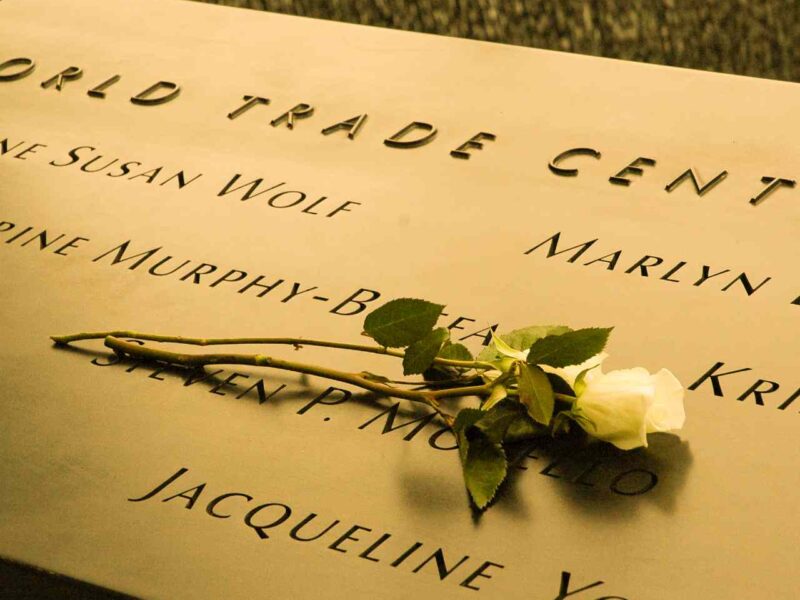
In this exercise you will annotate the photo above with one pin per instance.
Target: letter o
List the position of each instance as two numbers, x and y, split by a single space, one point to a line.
433 441
28 67
651 483
295 203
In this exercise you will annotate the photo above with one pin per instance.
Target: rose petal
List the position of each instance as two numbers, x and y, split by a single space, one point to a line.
616 404
667 412
570 373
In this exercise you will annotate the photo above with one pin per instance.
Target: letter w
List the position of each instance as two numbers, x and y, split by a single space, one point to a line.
251 192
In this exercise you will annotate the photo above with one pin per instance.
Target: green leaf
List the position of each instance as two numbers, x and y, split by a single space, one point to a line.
498 392
570 348
524 428
419 355
484 465
465 419
580 381
505 349
438 373
559 385
521 339
562 421
455 352
402 322
480 435
536 393
496 421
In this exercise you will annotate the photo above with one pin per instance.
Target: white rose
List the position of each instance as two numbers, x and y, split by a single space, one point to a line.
622 407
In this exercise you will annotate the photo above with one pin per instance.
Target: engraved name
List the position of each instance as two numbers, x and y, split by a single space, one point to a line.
277 519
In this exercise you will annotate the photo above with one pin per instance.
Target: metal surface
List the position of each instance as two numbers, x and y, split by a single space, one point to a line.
81 440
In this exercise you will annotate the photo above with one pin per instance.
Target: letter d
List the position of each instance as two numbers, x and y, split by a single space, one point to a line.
149 98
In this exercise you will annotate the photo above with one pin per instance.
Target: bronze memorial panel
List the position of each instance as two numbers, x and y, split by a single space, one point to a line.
197 170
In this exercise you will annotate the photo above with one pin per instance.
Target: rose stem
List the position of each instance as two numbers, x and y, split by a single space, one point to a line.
290 341
431 398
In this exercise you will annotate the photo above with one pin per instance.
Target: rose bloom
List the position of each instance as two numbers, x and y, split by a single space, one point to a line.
623 406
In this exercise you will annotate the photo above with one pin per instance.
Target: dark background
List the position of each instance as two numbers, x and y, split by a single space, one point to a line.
747 37
756 37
